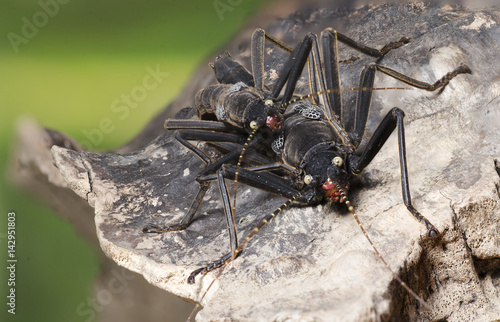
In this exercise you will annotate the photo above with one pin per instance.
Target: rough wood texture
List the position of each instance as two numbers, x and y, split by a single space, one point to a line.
313 263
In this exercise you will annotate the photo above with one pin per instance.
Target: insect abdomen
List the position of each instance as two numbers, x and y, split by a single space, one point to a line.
226 103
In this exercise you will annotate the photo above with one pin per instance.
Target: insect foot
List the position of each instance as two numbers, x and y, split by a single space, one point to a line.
153 228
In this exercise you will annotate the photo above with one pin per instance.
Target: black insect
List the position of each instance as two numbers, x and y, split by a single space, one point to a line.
240 104
304 168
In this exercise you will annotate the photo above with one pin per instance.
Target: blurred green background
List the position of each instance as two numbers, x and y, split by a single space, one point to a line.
65 70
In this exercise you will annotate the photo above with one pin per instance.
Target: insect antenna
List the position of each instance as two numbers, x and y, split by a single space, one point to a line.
403 284
281 109
255 128
243 243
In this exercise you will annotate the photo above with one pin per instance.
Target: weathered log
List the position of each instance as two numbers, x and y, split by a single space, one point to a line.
313 262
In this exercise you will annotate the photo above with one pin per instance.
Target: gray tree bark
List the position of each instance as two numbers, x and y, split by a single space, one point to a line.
313 263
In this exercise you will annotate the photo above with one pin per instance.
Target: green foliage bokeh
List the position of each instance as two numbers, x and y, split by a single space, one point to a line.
66 74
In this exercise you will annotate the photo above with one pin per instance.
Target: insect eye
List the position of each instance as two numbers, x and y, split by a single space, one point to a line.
269 103
254 125
308 179
338 161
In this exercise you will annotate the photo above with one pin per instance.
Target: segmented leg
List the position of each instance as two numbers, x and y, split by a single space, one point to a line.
289 74
394 118
205 176
366 80
186 220
230 256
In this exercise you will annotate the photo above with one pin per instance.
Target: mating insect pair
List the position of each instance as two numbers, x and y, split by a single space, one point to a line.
265 146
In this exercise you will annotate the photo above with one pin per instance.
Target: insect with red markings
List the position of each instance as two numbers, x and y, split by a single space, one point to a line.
306 153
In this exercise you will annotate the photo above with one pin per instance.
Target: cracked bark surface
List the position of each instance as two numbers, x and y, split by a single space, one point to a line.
313 262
